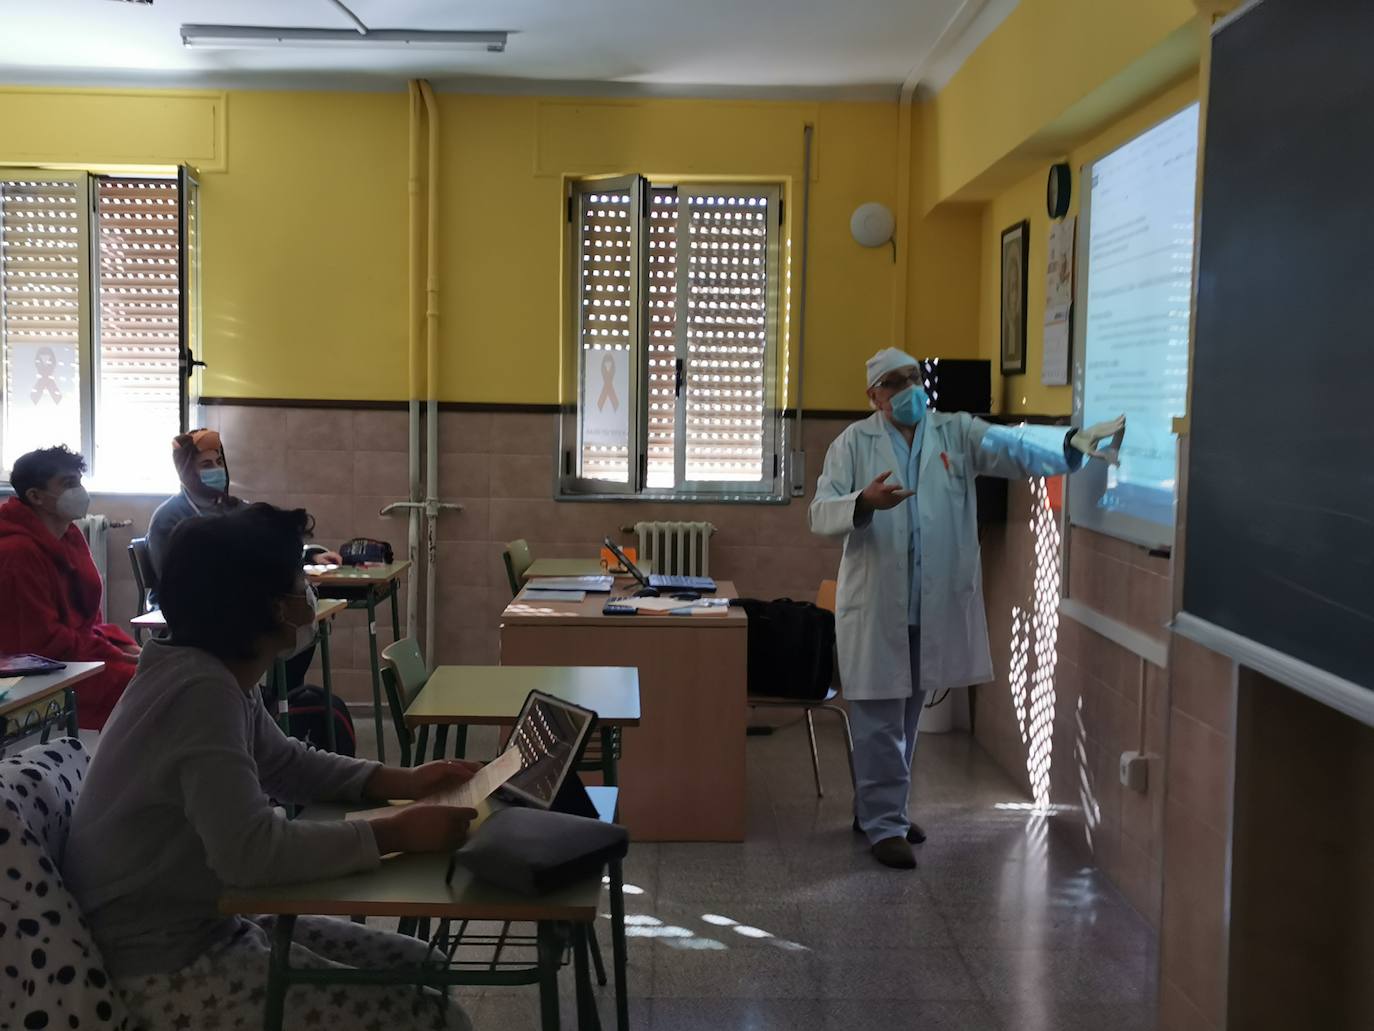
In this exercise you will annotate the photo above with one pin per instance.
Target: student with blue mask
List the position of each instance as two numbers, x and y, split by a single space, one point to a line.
204 475
898 487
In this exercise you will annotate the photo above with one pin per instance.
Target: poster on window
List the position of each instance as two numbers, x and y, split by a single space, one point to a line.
605 398
43 405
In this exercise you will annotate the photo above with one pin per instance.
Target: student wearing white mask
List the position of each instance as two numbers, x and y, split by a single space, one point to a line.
50 591
898 487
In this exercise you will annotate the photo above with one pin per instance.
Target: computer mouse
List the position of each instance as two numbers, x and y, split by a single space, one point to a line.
646 592
686 596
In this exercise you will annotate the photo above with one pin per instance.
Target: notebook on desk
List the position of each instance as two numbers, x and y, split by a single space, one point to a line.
662 581
592 584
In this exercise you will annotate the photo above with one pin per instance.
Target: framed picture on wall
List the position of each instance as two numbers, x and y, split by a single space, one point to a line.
1015 261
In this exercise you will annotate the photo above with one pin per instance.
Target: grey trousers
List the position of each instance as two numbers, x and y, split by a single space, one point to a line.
227 987
884 749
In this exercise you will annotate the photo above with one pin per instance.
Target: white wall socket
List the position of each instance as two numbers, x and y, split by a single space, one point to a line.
1135 771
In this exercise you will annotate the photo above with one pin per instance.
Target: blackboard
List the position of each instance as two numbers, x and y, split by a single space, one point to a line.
1280 490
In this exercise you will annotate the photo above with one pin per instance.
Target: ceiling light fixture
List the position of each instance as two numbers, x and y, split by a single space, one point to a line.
252 37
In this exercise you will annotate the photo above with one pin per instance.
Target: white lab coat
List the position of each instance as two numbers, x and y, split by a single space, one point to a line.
871 603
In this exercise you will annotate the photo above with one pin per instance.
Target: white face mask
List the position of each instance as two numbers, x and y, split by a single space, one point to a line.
73 503
305 632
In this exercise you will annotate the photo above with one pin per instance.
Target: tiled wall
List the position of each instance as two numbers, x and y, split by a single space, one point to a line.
1197 829
344 465
1076 705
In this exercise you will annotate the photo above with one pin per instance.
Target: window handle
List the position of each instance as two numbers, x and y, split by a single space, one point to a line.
679 378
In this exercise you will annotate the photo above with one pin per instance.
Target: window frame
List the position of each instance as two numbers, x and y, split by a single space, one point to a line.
570 485
88 308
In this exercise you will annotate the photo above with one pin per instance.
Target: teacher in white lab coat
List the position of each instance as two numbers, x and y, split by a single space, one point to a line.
898 487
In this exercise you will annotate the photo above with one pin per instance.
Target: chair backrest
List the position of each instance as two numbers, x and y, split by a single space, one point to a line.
144 575
42 935
825 596
403 674
518 559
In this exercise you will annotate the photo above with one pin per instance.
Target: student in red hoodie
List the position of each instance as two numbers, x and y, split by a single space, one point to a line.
49 588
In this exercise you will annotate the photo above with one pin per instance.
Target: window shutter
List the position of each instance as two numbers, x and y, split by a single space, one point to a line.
607 220
41 237
662 327
137 222
728 269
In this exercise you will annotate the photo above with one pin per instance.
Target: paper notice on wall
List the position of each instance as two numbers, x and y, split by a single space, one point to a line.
605 397
1054 368
1059 273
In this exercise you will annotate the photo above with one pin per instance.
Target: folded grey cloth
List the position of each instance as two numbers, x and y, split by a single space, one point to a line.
532 851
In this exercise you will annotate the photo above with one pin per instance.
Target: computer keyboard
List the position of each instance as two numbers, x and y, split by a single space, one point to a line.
663 582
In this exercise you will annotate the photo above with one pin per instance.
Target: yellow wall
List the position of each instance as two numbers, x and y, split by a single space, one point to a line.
1042 61
1026 200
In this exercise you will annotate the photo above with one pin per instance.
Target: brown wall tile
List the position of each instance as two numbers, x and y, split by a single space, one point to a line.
1202 684
319 429
320 472
466 433
1199 770
381 431
1177 1012
381 472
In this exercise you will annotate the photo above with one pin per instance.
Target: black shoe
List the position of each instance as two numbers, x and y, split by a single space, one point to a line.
914 834
896 853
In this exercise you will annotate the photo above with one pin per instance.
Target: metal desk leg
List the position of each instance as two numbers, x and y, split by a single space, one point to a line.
550 952
277 682
440 740
69 699
376 675
277 967
421 743
609 770
326 674
588 1019
395 612
618 957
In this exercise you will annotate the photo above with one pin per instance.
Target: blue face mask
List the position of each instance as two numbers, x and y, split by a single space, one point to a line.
215 479
909 406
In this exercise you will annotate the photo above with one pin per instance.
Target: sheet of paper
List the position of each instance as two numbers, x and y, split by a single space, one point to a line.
534 594
1054 367
1059 271
466 796
571 583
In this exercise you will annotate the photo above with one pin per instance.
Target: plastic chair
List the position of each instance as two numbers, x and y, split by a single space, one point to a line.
518 560
145 578
403 675
825 598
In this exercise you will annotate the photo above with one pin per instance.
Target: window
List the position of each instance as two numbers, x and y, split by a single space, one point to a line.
96 320
675 321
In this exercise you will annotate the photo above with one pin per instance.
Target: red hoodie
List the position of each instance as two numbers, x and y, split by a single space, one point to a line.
50 603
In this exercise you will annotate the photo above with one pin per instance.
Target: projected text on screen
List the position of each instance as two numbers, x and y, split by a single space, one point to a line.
1134 352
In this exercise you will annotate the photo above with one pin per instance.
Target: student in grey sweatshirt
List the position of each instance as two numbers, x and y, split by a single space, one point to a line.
176 805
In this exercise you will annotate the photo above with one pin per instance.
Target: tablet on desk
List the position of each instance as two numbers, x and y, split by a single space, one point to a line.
26 665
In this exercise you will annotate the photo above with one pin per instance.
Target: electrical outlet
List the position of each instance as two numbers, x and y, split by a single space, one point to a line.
1135 771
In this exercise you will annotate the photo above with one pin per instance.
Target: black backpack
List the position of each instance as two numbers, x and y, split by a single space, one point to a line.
306 715
791 648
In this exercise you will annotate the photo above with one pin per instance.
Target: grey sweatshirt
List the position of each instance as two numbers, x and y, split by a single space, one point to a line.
175 808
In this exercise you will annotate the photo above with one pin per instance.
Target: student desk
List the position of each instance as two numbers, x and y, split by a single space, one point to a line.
37 704
683 767
363 587
494 695
325 612
413 886
574 567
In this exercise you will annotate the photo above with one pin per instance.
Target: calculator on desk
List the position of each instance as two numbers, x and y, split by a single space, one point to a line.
618 607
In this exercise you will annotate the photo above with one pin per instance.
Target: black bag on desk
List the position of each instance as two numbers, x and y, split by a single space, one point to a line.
791 648
533 851
361 550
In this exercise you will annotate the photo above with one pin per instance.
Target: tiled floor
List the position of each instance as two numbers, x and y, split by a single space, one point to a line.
1002 928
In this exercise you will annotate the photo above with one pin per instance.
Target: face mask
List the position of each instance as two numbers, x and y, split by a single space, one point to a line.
305 632
909 406
73 503
216 479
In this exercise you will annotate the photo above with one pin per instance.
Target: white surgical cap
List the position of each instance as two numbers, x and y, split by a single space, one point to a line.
889 359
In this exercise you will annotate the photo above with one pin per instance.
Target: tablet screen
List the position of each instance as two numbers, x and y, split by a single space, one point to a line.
549 734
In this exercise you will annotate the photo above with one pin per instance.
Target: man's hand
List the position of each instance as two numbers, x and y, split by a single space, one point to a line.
423 828
880 495
328 558
1088 438
131 650
419 781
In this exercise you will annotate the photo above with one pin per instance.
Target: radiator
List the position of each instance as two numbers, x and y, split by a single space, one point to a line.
678 549
96 528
